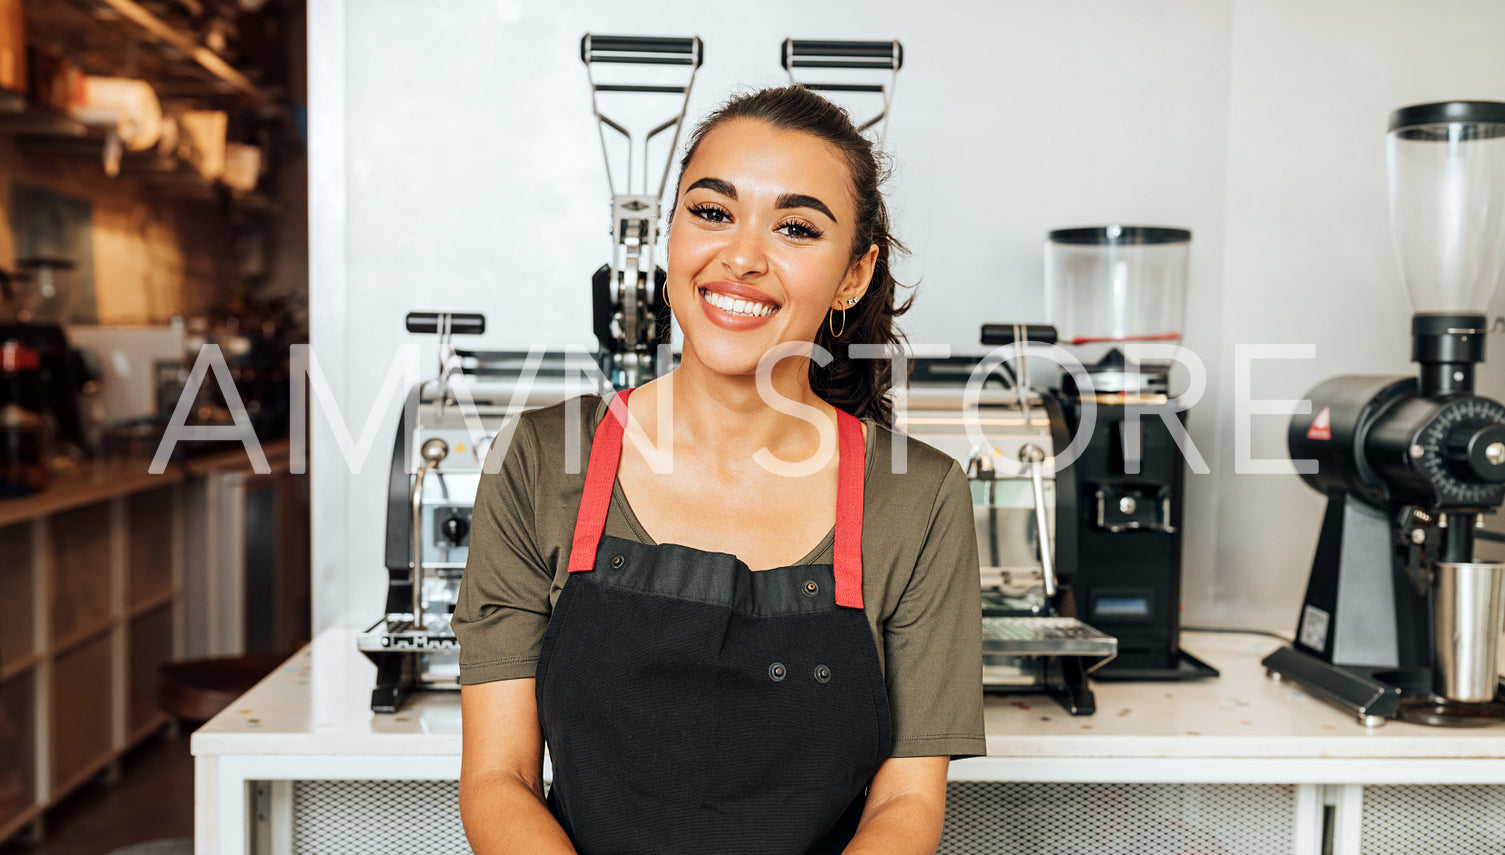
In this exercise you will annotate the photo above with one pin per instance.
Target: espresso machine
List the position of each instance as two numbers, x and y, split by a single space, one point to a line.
1108 289
450 420
36 303
1009 434
448 425
1400 620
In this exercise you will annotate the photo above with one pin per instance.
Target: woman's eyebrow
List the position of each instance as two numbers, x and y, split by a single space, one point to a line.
715 185
788 200
797 200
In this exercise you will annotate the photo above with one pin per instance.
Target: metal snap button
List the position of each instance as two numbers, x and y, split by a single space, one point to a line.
777 672
822 674
617 561
811 589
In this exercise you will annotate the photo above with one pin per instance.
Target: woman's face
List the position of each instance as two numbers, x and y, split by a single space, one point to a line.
760 248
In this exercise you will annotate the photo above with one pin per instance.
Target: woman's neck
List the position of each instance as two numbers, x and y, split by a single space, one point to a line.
726 420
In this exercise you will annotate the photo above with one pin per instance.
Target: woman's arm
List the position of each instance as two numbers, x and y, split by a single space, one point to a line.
501 772
906 806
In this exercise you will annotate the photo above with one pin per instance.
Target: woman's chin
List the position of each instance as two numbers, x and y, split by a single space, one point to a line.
725 359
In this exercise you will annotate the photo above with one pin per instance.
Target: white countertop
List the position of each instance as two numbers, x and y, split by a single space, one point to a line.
318 703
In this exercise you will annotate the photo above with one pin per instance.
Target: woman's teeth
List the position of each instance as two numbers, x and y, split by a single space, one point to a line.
733 306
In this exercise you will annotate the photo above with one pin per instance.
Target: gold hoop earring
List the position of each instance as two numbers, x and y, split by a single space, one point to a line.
666 298
831 327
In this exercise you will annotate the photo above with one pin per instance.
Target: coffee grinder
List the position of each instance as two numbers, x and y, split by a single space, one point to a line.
1400 620
1108 287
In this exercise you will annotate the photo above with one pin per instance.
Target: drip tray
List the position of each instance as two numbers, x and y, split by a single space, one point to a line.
1045 636
1420 705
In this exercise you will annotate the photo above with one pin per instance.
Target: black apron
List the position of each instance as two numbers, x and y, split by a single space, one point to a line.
693 706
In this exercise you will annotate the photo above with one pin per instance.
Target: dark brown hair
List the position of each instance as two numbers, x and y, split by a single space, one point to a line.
859 386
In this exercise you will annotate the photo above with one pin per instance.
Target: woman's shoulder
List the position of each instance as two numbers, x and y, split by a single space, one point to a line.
543 433
915 460
555 417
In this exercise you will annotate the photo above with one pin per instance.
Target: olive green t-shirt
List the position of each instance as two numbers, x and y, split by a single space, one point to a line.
920 585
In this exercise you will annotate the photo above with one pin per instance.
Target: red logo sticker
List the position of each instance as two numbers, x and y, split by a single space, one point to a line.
1322 426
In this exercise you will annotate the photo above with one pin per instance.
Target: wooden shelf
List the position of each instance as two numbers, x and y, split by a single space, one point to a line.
18 666
18 641
155 602
78 639
11 101
104 36
149 527
87 484
62 789
122 38
149 646
98 572
19 802
19 821
83 715
20 118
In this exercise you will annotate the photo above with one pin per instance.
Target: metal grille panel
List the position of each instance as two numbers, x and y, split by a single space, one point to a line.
993 818
377 818
1433 820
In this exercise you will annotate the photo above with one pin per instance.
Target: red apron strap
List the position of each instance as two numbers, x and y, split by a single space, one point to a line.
600 477
850 472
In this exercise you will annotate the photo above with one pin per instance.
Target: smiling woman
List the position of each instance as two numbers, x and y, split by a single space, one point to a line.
825 161
723 652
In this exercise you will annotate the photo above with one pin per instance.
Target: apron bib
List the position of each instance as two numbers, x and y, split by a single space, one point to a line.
693 706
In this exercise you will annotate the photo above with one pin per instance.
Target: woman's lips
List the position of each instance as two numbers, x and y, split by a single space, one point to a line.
734 306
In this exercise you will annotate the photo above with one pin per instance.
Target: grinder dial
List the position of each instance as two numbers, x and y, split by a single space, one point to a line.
1463 451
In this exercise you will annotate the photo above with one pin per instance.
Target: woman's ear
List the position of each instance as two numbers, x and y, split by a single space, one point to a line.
858 277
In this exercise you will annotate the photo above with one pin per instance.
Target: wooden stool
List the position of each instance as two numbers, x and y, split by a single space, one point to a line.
197 689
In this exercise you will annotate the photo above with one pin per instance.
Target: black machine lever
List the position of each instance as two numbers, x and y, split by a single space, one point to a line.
814 53
460 323
1005 333
642 50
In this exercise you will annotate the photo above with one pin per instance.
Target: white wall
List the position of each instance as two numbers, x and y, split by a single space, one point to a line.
455 165
1309 257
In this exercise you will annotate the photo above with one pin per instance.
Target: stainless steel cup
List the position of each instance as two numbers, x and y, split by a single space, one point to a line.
1466 623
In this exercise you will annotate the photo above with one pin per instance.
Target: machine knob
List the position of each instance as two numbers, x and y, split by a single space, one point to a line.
454 530
434 450
1479 452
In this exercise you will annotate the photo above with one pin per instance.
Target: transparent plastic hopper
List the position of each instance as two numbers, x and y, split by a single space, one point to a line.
1447 203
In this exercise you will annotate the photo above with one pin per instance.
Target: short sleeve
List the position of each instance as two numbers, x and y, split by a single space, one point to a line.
933 640
503 606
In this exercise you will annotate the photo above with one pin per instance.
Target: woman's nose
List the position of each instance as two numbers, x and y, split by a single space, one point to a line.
744 254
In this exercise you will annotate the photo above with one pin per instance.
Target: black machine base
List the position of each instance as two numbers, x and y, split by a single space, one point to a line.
396 678
1124 668
1064 679
1374 695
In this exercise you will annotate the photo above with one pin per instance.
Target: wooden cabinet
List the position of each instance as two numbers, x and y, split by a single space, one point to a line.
91 573
100 575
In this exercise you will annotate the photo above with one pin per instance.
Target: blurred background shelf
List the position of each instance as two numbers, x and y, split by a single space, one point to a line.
108 36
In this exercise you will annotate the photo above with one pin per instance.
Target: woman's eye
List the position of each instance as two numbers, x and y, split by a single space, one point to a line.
710 213
800 231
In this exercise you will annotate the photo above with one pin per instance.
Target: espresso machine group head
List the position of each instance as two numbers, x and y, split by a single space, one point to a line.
1400 620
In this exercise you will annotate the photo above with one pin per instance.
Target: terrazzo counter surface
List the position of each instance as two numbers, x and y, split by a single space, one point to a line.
317 703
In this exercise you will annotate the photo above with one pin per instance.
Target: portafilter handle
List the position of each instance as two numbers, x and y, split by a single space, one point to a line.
433 452
980 468
1034 457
